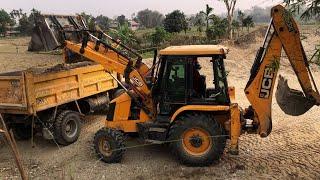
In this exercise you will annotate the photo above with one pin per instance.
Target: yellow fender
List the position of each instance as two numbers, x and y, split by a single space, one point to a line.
198 108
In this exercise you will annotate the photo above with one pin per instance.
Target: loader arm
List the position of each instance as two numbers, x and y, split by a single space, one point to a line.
283 33
134 71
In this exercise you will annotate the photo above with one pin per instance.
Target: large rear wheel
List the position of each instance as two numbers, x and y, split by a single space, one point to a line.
197 139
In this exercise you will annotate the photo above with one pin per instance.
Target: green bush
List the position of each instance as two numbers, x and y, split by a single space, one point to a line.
159 36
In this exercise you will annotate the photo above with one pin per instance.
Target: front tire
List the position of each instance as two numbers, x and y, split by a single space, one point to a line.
197 139
109 146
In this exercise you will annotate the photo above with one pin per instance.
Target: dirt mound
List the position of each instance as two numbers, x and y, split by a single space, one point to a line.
252 36
59 67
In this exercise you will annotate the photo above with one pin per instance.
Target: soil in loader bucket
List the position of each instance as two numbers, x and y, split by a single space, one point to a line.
292 102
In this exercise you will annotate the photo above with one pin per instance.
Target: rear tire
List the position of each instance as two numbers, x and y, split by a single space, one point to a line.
67 127
197 139
109 146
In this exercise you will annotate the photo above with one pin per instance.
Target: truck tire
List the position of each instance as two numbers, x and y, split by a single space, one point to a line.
109 146
67 127
197 139
22 131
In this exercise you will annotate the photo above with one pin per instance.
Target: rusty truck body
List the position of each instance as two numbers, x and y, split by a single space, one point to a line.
52 100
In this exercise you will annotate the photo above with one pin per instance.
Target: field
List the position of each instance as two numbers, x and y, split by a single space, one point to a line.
291 151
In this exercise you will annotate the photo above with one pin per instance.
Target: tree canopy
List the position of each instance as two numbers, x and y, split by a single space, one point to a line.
175 22
5 20
312 7
103 22
150 19
122 20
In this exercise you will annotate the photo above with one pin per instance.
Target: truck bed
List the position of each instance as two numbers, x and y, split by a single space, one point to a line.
37 89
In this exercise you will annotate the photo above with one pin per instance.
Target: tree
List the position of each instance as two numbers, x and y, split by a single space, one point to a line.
241 17
230 5
16 13
175 22
5 21
312 10
218 29
207 14
199 21
103 22
150 19
248 22
125 35
235 27
25 26
122 20
27 23
159 36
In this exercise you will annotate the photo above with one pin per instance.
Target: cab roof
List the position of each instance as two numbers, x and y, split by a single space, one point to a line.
195 50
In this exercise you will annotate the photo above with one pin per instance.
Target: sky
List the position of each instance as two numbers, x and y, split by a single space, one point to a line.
113 8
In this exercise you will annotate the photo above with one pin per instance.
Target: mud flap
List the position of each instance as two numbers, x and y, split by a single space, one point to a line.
291 101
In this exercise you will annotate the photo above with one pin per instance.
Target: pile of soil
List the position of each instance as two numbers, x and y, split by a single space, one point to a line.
251 37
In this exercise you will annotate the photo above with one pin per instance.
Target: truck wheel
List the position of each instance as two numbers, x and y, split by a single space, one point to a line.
22 131
197 139
109 146
67 127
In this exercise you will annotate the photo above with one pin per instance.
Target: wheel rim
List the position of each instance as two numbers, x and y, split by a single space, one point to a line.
105 147
196 141
71 128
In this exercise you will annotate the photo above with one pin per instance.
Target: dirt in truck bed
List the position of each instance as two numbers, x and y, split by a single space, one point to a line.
292 151
59 67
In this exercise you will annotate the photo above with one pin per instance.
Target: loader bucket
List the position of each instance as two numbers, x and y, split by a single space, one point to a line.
50 31
292 102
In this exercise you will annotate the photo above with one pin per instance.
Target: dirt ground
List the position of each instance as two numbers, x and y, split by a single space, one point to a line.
292 151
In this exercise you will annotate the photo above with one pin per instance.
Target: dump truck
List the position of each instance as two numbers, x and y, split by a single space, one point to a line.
52 100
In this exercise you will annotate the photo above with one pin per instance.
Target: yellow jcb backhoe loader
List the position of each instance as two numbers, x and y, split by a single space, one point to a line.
170 102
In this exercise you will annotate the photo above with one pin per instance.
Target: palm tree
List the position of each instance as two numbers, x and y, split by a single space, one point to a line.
208 15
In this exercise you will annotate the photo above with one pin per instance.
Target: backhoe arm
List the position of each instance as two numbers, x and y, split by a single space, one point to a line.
283 33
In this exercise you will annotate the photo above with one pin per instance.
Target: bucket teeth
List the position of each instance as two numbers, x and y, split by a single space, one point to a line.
292 102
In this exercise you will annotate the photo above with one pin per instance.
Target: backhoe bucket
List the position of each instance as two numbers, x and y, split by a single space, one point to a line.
291 101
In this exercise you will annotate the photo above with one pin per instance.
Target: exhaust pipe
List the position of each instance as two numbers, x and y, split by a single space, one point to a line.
292 102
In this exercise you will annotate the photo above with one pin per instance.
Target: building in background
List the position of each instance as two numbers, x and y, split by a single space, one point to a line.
133 25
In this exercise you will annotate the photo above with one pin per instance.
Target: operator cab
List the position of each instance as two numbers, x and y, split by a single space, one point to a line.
190 75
